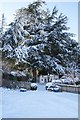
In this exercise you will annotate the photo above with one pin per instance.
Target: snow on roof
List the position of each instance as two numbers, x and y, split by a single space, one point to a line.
33 84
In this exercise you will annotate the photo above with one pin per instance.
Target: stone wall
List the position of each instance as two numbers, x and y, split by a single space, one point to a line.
0 78
70 88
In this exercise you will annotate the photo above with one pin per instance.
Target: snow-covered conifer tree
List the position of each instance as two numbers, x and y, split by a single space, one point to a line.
39 39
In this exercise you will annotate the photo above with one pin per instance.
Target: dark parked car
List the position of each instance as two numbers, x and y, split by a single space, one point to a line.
53 87
49 84
34 86
23 89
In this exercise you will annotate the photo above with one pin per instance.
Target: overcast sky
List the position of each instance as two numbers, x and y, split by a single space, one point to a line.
68 8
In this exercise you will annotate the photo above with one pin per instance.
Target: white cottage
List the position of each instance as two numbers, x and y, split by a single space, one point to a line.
47 78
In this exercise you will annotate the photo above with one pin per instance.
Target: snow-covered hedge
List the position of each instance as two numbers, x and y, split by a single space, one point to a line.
16 75
13 84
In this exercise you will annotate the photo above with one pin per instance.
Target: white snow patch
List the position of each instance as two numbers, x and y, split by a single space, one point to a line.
18 73
38 104
7 48
33 84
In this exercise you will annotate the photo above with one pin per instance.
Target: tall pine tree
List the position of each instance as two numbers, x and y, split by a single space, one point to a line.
39 39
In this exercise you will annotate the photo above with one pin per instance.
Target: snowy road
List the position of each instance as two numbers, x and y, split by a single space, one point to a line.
38 104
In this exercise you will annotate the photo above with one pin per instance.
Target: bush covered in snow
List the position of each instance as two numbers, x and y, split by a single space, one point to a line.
16 75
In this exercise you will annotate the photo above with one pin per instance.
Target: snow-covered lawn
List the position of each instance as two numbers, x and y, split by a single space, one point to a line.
38 104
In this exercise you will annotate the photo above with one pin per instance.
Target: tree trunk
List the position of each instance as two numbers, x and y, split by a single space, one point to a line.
34 74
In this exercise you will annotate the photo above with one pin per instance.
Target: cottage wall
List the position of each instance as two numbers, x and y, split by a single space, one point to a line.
47 78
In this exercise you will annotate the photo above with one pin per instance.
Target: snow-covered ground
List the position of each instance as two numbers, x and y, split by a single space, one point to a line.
38 104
